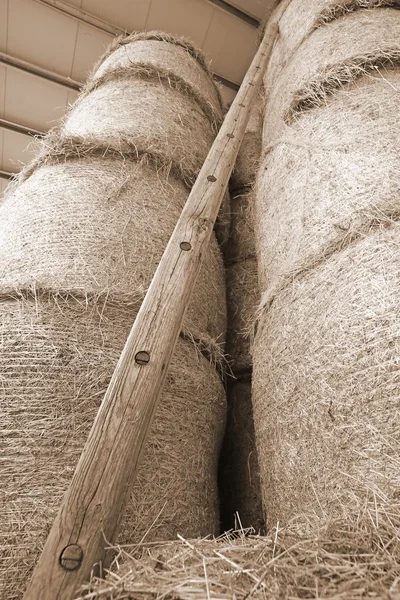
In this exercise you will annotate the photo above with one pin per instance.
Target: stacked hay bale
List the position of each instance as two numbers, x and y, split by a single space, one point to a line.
326 381
240 474
82 234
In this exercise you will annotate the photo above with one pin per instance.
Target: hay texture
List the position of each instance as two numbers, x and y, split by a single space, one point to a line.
326 387
334 171
301 18
333 55
243 297
325 380
152 94
240 475
99 226
353 563
57 355
247 162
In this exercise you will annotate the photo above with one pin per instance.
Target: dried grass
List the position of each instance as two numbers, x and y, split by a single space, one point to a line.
343 562
301 18
164 61
57 354
144 114
332 174
326 386
243 297
247 162
99 226
158 36
333 56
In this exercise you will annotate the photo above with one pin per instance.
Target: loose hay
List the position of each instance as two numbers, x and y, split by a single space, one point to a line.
326 387
99 226
341 563
326 179
57 355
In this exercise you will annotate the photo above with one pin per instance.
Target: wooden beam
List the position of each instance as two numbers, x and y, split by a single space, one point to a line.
92 508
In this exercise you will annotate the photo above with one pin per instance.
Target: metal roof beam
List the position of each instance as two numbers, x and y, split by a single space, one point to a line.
6 175
237 12
22 65
89 19
11 126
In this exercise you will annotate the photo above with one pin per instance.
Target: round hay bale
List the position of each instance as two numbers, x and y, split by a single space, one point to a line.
247 162
326 388
241 245
57 355
242 300
163 58
99 225
134 113
239 471
327 178
301 18
332 56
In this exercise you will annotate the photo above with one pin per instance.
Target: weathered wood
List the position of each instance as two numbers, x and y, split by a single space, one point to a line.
94 503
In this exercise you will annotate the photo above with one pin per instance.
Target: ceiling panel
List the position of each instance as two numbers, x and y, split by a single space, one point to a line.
2 88
41 35
3 185
17 149
72 96
232 44
33 101
129 15
3 24
256 8
90 45
1 147
190 18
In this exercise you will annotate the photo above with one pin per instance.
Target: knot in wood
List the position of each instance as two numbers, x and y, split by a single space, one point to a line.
142 357
71 557
230 135
185 246
211 178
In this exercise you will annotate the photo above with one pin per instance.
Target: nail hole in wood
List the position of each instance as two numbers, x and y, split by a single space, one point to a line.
71 557
142 357
211 178
185 246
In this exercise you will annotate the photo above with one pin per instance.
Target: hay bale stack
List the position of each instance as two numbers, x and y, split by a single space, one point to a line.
324 386
83 232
